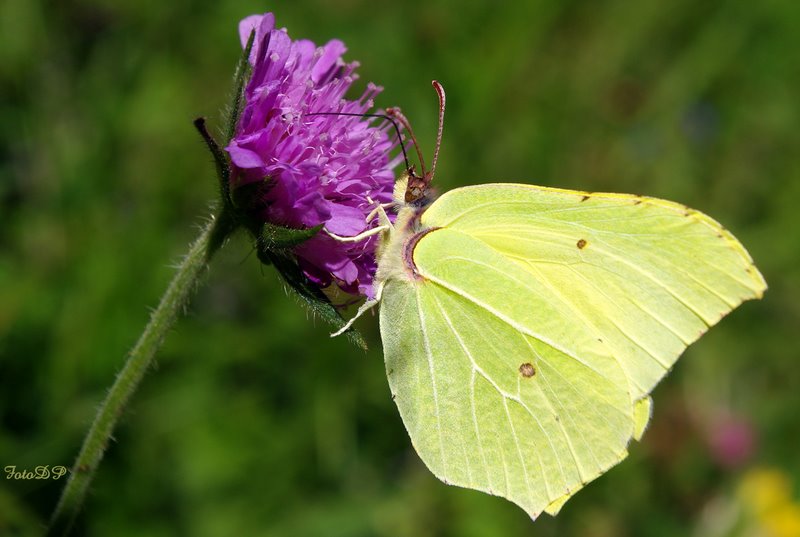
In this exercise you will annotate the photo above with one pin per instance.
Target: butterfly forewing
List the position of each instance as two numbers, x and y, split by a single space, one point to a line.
645 276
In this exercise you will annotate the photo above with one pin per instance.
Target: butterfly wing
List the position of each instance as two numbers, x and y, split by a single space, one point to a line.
645 275
490 401
539 320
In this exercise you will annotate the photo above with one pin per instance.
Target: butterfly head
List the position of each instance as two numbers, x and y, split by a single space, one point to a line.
411 190
416 190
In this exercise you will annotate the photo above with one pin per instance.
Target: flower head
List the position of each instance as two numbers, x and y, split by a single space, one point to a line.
312 169
732 440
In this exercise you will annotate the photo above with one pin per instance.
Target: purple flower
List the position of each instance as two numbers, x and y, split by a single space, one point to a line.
323 169
732 440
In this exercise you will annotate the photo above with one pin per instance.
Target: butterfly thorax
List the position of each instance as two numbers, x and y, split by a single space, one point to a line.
395 252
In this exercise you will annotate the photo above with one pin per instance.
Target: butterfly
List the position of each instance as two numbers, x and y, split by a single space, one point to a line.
524 327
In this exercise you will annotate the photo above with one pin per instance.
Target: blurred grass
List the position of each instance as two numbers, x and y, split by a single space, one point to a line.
255 422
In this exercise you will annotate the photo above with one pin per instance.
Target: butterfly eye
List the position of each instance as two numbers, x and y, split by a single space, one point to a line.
416 188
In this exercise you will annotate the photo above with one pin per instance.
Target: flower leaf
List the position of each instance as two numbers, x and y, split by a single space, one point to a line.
221 161
275 237
241 75
308 292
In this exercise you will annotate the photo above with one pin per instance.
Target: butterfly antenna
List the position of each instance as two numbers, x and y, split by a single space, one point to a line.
387 116
440 91
396 113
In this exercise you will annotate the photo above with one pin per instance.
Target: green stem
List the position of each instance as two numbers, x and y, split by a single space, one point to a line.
172 303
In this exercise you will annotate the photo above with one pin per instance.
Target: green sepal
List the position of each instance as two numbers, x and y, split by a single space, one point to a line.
308 292
241 75
275 237
220 160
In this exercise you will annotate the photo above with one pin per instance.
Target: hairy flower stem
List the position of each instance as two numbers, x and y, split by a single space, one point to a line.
175 299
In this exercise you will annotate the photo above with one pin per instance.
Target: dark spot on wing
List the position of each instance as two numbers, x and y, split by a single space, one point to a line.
581 244
638 201
527 370
585 197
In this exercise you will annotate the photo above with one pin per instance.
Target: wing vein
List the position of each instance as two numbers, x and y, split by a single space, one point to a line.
504 318
476 368
519 452
431 369
477 428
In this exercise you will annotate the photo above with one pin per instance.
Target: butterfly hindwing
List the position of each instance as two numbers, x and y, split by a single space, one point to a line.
489 401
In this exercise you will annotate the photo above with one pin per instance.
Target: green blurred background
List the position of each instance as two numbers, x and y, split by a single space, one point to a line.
254 421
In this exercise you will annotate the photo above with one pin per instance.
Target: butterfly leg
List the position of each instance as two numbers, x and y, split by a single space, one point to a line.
380 211
360 236
369 304
383 219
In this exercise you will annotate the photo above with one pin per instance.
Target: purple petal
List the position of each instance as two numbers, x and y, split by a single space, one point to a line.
345 221
247 25
331 53
244 158
313 209
262 24
325 253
